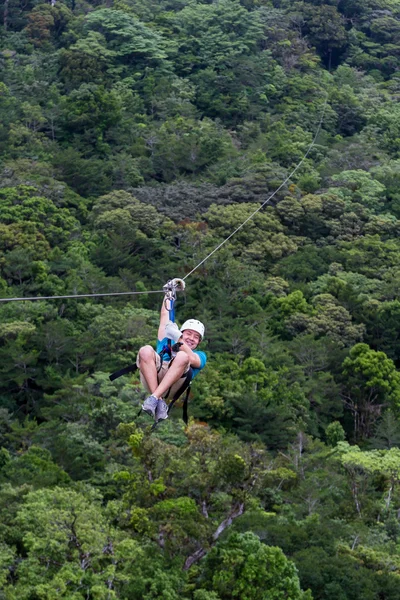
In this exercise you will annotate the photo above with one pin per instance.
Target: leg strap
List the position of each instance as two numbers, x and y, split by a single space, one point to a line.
185 386
124 371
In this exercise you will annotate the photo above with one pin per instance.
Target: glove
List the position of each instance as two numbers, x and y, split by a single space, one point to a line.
179 284
176 283
172 331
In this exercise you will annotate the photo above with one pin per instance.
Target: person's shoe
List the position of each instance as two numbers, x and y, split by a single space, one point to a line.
161 410
149 405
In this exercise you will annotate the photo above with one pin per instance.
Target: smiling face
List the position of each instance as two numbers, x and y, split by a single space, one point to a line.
191 338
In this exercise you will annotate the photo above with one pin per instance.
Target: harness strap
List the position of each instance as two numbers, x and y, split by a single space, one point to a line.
185 386
185 406
133 367
123 371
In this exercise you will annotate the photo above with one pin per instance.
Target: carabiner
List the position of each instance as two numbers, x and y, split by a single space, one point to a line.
170 289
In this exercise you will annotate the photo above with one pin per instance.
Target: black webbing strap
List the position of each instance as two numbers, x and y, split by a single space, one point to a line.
185 386
185 406
123 371
132 368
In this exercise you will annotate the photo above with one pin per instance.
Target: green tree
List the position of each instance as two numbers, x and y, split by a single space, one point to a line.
71 549
387 432
334 433
47 23
370 384
386 463
184 146
127 38
359 186
243 567
210 35
329 319
324 26
36 468
90 111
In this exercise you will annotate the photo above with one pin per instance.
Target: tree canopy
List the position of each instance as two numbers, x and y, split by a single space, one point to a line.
135 137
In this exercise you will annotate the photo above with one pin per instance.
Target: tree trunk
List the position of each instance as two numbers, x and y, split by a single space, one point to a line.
354 490
196 556
5 14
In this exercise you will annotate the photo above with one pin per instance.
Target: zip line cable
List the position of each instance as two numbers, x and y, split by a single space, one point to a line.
271 196
81 296
210 254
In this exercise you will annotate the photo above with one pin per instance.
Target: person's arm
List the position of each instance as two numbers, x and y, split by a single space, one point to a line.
193 357
173 284
164 318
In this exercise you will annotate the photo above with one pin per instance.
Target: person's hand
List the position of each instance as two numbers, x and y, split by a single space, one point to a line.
167 287
172 331
176 283
179 284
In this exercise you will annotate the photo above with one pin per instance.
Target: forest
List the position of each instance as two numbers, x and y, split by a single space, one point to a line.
135 137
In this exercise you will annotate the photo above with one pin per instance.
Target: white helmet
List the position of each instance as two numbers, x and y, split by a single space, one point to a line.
195 325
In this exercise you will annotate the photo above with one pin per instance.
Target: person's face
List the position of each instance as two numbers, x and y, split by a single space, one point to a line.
191 338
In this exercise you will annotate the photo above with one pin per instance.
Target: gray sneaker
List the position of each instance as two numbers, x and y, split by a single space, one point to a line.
161 410
149 405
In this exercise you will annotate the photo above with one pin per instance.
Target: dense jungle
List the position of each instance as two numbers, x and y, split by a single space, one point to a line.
135 136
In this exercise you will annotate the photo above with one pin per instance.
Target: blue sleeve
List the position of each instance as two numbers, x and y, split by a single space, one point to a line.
203 358
161 344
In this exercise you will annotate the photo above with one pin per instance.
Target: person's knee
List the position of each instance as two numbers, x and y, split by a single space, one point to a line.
182 359
146 353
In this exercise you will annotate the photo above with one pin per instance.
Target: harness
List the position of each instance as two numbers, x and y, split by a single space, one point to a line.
170 350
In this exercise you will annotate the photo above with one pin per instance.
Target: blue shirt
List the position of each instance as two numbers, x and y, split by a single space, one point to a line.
165 357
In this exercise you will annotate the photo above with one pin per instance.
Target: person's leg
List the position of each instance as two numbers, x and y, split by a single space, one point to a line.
179 366
147 364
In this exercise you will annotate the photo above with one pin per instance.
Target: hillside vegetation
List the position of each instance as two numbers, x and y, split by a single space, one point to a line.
135 136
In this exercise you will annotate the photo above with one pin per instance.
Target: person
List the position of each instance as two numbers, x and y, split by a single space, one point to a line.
162 376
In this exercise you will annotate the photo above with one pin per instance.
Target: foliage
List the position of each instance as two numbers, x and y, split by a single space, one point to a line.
136 139
243 567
